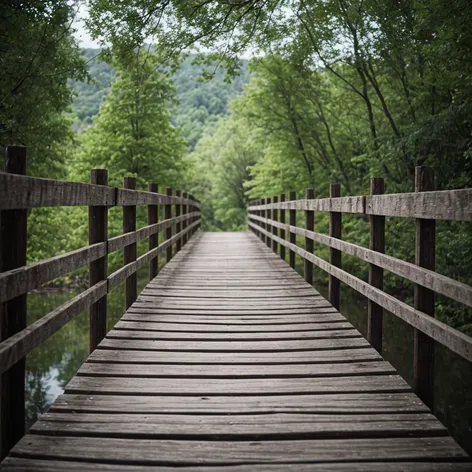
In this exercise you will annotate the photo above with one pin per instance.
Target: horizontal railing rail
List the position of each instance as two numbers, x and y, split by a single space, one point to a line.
425 207
18 194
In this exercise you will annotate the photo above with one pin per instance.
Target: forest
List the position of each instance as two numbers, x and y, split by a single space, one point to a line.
335 92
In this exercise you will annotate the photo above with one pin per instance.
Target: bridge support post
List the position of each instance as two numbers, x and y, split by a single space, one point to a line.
129 225
168 216
267 216
310 226
377 243
178 225
274 228
185 222
423 354
335 228
98 270
282 231
13 243
153 239
292 214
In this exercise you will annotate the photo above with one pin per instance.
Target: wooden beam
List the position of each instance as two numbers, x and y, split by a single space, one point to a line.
98 233
292 222
274 228
13 245
335 228
423 354
377 243
153 238
282 231
130 252
178 225
309 225
168 216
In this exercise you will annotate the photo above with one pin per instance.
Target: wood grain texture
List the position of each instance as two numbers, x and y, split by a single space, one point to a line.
228 360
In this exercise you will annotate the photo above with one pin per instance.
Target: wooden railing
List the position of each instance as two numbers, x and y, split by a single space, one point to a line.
18 193
426 206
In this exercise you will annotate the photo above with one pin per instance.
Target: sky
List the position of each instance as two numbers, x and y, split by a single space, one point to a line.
81 34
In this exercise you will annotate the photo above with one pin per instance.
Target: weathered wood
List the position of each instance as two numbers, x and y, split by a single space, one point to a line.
185 210
440 332
179 453
282 231
17 346
127 197
292 236
153 238
423 349
32 276
13 246
130 251
342 204
178 225
377 243
337 403
168 234
20 192
274 228
35 465
335 228
98 233
268 226
452 205
309 226
427 278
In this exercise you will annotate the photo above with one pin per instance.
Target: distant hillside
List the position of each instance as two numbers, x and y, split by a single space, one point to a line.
200 103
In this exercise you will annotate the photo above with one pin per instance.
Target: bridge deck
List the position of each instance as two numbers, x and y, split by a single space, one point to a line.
228 358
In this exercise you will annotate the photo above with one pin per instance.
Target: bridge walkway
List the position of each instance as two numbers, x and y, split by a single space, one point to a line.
229 360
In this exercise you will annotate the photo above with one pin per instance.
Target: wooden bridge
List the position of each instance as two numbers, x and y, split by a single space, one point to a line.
228 359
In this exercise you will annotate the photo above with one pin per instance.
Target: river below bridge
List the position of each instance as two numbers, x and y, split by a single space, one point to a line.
50 366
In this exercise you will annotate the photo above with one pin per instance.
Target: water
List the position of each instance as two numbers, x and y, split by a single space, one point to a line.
56 361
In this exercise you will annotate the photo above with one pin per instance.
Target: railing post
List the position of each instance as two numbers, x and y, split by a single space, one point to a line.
274 228
377 243
168 216
185 222
292 215
423 354
335 227
13 244
153 239
310 226
129 225
282 231
268 229
263 225
98 233
178 225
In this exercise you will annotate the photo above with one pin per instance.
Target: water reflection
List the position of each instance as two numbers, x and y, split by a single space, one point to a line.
55 362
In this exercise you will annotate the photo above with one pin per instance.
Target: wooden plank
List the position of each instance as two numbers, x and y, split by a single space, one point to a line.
341 204
17 346
331 403
274 228
20 191
288 426
335 227
24 279
126 197
449 205
130 251
153 238
13 246
172 452
231 371
376 243
228 328
35 465
168 232
208 387
98 269
230 336
309 226
454 340
425 256
231 346
362 354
